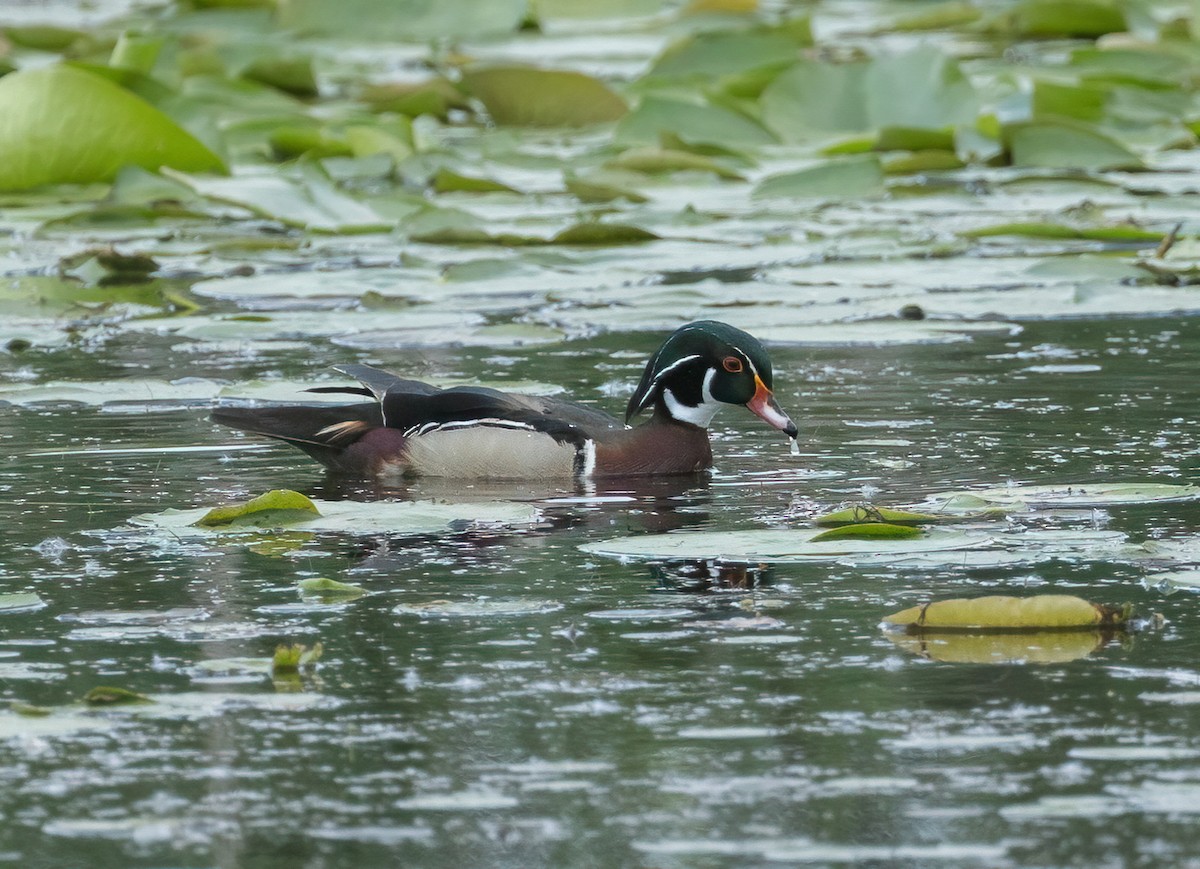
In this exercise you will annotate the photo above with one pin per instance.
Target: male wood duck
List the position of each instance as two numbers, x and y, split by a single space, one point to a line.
415 429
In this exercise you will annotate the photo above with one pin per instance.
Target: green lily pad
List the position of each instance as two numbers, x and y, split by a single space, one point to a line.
304 197
1038 19
861 513
61 124
690 121
354 517
662 161
328 589
483 607
868 531
269 510
103 695
1036 229
778 546
1083 496
531 97
850 176
20 602
399 20
291 658
1066 145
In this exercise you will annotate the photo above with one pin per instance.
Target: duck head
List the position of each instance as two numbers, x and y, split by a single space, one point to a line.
706 364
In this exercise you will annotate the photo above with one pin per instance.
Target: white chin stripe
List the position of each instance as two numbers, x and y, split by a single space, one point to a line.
702 413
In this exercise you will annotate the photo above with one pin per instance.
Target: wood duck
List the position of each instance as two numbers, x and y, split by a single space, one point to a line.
411 428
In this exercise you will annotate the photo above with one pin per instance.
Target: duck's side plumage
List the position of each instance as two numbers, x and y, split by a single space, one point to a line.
413 428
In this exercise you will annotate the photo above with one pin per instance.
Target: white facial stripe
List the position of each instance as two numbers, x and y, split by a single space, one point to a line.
669 369
702 413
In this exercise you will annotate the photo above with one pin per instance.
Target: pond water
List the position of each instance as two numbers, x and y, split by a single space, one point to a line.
565 708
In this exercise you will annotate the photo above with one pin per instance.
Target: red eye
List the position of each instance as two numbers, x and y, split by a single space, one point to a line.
732 364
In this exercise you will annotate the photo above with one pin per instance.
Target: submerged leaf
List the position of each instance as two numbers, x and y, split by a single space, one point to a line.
62 124
1005 612
533 97
993 647
274 508
110 696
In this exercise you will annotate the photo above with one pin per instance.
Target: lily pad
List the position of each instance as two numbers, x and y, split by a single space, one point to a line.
20 602
103 695
533 97
869 513
1067 145
354 517
269 510
868 531
851 176
61 124
1069 497
483 607
329 589
778 546
1005 612
1026 647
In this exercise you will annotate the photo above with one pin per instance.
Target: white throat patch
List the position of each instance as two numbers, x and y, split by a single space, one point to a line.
702 413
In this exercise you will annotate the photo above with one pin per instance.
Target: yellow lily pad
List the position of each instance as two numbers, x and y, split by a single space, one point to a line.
271 509
1004 612
868 531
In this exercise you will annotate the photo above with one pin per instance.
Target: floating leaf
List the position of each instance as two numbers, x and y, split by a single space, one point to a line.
292 658
1071 497
867 513
868 531
109 696
324 587
20 602
269 510
445 181
1001 612
922 161
1066 145
1059 231
657 161
306 199
1017 647
481 608
413 20
1038 19
353 517
939 16
602 234
61 124
597 191
532 97
707 55
850 176
778 546
690 121
923 87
